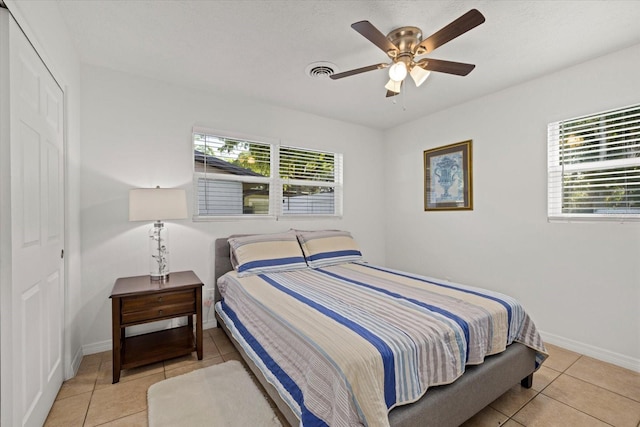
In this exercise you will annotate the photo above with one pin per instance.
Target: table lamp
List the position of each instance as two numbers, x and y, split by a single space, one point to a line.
158 204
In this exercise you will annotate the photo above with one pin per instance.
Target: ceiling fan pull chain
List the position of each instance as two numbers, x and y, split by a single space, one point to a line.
404 105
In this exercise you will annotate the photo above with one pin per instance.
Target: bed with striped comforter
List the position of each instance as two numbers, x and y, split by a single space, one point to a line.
345 344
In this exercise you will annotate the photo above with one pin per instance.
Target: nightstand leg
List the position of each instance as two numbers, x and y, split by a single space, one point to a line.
116 338
199 322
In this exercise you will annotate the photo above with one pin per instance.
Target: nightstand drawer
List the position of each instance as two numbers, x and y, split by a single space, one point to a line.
158 313
144 302
150 307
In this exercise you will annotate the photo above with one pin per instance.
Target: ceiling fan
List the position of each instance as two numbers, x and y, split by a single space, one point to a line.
404 44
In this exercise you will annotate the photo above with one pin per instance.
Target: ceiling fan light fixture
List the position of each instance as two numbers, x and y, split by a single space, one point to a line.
398 71
393 86
419 74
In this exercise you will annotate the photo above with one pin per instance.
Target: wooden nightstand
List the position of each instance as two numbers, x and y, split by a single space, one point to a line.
137 300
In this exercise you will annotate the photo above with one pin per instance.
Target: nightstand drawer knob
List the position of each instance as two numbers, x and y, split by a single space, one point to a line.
159 312
159 299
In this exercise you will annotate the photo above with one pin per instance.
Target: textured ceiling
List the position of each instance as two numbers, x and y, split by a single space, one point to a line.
260 49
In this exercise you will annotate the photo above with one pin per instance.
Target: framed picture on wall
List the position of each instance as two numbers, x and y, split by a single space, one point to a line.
448 178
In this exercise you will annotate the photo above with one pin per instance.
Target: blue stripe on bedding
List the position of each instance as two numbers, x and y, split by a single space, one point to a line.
270 263
333 254
461 322
308 418
383 348
506 305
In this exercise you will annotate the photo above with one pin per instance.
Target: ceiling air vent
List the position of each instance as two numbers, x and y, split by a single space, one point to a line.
321 70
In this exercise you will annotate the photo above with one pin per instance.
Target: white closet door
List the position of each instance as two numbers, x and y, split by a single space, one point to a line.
37 232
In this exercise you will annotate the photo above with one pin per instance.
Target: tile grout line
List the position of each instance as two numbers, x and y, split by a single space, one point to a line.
577 409
95 382
538 392
603 388
541 392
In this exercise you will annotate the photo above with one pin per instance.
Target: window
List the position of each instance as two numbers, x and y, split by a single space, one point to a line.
239 177
594 166
308 179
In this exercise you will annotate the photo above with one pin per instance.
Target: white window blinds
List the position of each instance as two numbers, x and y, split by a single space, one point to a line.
232 175
594 166
236 177
308 181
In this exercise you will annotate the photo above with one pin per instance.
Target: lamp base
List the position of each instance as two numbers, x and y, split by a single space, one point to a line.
164 278
159 252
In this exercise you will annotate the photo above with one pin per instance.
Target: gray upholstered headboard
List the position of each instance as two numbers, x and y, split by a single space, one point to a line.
221 262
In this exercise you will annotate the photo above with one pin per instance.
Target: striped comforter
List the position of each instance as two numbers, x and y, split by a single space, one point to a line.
345 344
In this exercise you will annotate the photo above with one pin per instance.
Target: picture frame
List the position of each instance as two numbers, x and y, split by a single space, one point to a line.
448 181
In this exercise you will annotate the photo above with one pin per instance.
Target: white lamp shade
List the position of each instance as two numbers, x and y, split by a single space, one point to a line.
393 86
419 74
157 204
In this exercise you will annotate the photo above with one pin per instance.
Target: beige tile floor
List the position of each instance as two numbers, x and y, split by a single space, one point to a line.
569 390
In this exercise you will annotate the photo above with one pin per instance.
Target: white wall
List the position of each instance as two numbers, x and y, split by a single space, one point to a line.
45 28
137 133
579 281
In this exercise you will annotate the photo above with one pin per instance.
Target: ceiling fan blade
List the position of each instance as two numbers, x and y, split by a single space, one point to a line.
358 71
466 22
391 93
374 35
449 67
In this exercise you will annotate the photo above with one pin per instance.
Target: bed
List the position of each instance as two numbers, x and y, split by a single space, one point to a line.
300 362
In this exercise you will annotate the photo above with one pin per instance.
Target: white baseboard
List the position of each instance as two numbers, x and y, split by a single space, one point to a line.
74 364
592 351
97 347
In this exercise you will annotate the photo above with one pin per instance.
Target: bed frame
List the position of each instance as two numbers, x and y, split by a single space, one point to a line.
441 406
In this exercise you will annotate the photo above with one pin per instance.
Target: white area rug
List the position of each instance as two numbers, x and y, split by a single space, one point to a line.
220 395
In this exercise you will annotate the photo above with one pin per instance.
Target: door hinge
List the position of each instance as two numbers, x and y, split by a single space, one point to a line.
62 253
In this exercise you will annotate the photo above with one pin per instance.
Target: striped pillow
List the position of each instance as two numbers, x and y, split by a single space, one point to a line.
328 247
264 253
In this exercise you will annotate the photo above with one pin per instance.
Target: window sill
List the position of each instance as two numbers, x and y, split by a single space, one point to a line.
222 218
595 218
307 217
234 218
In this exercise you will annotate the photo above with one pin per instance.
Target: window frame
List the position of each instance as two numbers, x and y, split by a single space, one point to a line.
557 169
274 181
